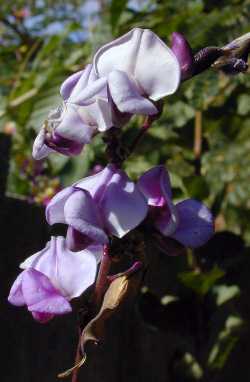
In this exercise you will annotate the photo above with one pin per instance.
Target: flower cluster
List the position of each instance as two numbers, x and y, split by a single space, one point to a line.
95 208
128 76
52 277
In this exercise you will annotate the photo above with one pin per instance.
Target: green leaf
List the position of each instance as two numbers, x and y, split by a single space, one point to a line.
177 182
188 368
181 113
244 104
57 162
201 283
116 9
48 99
197 187
77 167
225 343
224 293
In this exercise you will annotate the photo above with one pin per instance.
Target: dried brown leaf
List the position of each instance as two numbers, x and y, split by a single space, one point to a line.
121 290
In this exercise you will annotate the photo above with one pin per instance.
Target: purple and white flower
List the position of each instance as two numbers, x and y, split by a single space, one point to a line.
69 127
53 277
107 203
189 222
140 69
127 77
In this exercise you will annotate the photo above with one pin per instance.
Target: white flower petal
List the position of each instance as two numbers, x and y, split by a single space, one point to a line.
126 95
142 55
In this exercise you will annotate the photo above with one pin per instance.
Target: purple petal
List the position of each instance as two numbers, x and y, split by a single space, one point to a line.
55 208
96 184
195 226
36 287
16 293
96 169
69 272
76 270
184 54
94 89
81 213
74 126
68 85
166 219
100 112
43 318
44 261
40 149
120 202
41 296
143 56
53 304
122 205
119 119
119 54
155 186
76 241
158 77
63 145
82 81
92 76
126 95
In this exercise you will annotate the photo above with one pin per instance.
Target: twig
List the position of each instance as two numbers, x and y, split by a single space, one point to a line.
23 35
24 97
146 125
198 140
77 357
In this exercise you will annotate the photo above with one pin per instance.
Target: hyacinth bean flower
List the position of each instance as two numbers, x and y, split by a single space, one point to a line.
127 77
139 68
107 203
71 126
189 222
54 276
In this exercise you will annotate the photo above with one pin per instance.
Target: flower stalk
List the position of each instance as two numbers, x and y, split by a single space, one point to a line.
146 125
198 140
102 280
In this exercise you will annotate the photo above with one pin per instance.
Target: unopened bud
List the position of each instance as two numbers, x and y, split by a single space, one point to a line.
184 54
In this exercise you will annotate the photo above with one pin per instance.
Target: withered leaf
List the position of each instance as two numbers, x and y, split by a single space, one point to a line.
120 291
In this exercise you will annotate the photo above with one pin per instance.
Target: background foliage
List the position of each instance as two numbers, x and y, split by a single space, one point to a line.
42 42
